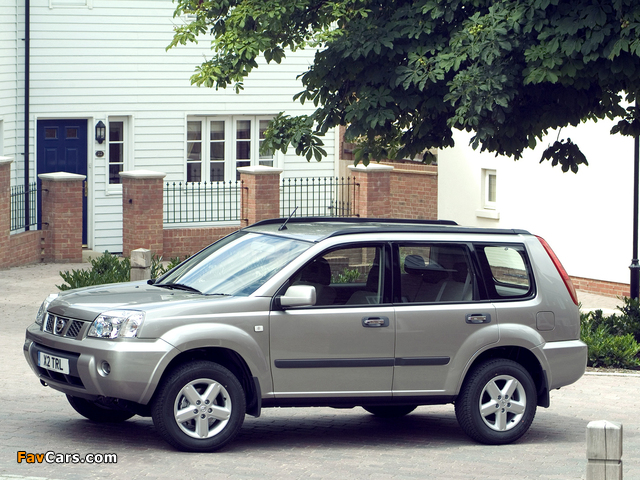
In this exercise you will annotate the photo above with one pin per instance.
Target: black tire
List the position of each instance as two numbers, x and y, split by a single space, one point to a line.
497 402
96 412
219 413
390 411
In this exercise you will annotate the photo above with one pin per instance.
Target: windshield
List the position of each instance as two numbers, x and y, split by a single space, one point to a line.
236 265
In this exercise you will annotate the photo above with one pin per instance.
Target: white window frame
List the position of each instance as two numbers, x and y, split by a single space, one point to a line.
489 202
126 150
230 133
488 205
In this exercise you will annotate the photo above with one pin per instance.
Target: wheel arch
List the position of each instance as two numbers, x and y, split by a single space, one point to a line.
229 359
524 357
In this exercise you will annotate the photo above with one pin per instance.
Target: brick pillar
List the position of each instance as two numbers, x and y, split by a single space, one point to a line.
62 215
5 210
374 197
142 203
260 193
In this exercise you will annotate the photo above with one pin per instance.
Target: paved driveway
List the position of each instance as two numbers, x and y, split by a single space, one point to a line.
291 443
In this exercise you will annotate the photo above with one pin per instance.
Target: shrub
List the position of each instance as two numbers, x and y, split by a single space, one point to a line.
607 350
613 340
105 269
158 269
347 276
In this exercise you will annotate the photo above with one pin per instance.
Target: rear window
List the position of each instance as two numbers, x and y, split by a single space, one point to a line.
510 272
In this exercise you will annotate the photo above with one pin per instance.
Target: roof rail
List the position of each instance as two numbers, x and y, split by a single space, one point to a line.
407 221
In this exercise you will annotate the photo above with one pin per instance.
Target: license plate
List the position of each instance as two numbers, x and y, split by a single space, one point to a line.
51 362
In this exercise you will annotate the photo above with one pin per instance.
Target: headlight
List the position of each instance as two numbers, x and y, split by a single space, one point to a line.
116 323
42 312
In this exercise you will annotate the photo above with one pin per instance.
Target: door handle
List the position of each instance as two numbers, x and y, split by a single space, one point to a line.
478 318
375 322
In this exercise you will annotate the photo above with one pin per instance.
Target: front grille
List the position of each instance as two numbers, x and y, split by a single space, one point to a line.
62 327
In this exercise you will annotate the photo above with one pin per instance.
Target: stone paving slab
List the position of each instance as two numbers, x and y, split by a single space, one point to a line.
292 443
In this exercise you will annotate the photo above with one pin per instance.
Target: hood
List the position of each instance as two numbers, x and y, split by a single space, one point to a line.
87 303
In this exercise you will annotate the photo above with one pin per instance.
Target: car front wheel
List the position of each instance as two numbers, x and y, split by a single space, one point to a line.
199 407
497 402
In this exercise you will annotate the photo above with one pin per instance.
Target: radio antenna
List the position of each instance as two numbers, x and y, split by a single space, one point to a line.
284 225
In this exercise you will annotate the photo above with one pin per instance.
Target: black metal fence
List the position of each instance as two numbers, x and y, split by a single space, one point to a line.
319 197
201 202
18 198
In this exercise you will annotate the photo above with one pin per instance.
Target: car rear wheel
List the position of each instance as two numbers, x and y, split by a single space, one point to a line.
497 402
199 407
96 412
390 411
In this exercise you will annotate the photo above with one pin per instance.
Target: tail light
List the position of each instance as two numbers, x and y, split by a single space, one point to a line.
563 273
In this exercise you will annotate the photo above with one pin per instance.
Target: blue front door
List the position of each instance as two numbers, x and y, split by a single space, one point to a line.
62 147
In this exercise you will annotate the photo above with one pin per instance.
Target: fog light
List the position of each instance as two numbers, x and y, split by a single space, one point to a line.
106 368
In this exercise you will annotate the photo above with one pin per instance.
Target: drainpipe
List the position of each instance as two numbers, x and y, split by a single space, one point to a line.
27 220
635 265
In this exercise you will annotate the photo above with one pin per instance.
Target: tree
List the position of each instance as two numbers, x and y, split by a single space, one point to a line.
400 75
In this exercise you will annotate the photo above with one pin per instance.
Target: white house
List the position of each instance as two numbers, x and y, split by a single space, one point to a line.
586 217
100 63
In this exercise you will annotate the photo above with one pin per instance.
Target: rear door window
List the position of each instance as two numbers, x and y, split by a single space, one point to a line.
510 274
435 273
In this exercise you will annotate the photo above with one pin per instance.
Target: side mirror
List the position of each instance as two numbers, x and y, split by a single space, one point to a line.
299 296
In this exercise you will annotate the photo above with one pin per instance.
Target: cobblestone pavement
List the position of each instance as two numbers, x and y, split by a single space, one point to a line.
292 443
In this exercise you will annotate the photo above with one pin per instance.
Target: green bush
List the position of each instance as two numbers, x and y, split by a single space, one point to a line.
607 350
111 269
158 269
347 276
613 340
105 269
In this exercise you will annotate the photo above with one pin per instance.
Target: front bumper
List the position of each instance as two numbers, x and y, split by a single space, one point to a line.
136 365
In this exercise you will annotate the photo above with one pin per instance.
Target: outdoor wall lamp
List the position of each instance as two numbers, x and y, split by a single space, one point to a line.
101 132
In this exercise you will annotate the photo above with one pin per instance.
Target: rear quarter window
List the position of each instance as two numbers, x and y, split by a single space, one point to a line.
508 271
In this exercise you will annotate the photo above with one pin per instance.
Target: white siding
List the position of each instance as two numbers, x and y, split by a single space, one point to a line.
11 81
110 60
586 218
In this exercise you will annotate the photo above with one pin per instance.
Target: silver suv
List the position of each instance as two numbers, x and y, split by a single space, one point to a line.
382 314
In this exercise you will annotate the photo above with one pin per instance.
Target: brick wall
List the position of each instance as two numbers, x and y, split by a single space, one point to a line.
62 216
61 237
182 242
260 194
601 287
28 247
142 223
414 191
374 193
408 190
5 210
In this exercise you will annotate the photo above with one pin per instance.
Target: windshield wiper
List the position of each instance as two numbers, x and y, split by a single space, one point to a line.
178 286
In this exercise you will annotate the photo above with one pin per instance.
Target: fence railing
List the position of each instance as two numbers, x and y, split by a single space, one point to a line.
319 197
18 198
201 202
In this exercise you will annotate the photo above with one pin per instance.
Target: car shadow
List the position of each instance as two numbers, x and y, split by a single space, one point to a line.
321 428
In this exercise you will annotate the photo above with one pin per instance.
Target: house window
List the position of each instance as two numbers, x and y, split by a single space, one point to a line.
489 189
218 146
216 150
117 150
194 151
266 158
